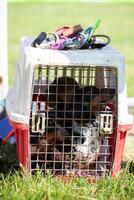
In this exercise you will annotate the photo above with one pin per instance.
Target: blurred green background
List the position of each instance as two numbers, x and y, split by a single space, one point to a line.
29 19
93 1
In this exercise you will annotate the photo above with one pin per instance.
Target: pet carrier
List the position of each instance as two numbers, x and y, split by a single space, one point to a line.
69 110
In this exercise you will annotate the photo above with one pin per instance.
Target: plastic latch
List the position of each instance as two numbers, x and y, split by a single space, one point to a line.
106 123
38 122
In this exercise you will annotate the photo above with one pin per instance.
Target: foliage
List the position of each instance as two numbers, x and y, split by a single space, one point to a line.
8 158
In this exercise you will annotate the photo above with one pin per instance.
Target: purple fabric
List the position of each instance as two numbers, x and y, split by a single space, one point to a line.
59 45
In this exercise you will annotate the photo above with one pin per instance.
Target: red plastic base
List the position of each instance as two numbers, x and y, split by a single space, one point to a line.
119 147
22 142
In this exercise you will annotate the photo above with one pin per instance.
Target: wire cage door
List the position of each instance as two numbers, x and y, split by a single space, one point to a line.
73 119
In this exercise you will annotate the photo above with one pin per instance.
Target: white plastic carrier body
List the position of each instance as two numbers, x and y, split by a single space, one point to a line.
18 102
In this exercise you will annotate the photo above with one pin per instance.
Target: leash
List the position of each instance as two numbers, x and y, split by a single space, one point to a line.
97 42
73 38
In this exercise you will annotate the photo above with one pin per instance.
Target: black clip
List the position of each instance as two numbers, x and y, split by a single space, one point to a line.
39 39
98 45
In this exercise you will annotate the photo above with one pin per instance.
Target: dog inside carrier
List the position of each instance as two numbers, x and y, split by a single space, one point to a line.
73 119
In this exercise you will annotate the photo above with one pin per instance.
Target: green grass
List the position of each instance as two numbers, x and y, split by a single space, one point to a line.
38 187
21 186
24 186
32 18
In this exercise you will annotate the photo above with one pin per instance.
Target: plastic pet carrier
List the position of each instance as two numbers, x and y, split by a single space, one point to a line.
69 110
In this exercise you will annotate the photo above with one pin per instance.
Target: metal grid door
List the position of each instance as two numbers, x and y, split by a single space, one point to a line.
72 123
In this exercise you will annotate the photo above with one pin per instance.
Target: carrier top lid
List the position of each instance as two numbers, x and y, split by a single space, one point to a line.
105 56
